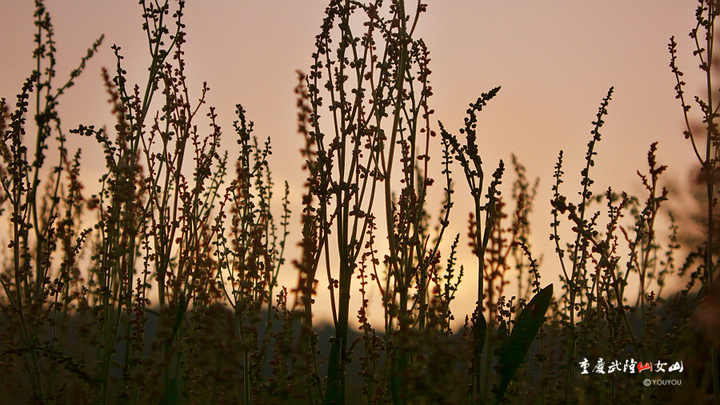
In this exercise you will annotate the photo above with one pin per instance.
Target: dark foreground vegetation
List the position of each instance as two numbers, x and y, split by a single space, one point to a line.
162 287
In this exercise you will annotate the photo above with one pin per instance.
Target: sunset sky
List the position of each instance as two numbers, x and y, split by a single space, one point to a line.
555 61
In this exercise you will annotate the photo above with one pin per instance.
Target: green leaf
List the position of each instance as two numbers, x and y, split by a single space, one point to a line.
513 350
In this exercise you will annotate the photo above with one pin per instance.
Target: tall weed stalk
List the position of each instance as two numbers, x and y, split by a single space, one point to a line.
376 88
703 34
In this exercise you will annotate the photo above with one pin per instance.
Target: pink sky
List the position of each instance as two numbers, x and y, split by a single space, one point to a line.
555 60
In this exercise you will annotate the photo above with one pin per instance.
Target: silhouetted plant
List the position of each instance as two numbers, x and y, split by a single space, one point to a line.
179 302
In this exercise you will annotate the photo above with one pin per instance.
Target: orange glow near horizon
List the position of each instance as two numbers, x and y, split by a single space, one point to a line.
555 61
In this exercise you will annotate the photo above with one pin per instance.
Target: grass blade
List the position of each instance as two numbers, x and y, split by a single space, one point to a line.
515 347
